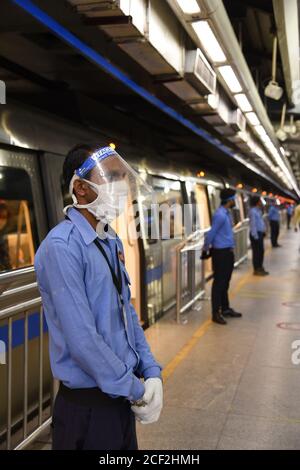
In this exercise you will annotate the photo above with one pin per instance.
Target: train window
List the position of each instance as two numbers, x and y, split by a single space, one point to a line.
199 202
236 211
67 198
18 235
214 198
170 203
246 204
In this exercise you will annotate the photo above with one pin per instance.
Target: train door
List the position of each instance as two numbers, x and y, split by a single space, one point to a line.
214 198
201 220
241 206
23 225
170 199
132 256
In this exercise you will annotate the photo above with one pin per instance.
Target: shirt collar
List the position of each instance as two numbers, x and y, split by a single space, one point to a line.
86 230
227 211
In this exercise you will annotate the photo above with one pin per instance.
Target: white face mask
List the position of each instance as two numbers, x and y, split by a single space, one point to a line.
110 202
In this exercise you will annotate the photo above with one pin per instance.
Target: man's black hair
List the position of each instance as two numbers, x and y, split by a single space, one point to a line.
225 194
254 201
75 158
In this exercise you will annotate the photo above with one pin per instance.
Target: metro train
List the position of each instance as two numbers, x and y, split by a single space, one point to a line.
32 197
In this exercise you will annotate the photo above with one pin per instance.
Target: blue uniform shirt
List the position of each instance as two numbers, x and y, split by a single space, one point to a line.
274 214
90 346
290 210
257 223
221 232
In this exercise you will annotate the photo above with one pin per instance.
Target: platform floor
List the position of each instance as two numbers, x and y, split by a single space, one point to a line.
233 386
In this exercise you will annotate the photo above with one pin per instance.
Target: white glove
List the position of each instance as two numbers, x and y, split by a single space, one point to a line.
153 399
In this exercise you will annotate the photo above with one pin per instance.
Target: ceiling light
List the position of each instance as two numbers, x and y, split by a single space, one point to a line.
243 102
261 131
209 41
189 7
230 78
252 119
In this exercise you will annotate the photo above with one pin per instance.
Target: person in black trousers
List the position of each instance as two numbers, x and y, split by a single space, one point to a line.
274 219
220 240
257 234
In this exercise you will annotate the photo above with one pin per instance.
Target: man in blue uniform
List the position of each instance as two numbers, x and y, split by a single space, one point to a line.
274 219
289 215
220 239
257 234
98 350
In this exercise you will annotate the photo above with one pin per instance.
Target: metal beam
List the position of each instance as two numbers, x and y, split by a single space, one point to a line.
101 62
287 22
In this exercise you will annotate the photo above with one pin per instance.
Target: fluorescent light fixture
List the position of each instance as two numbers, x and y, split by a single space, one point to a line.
189 7
243 102
209 41
253 119
230 78
261 131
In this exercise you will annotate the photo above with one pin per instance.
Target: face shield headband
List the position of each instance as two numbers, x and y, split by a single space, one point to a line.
114 182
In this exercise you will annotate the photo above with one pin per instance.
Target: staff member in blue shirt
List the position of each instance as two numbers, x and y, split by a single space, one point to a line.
257 234
274 220
98 350
289 215
220 239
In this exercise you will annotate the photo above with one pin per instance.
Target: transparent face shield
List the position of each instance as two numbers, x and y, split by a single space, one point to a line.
117 187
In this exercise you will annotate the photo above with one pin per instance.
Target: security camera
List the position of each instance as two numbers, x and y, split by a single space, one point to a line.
273 91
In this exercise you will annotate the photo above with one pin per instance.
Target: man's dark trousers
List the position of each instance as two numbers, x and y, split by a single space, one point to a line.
223 263
258 250
88 419
274 225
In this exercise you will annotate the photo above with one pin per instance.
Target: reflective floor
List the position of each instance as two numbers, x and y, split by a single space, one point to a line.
233 386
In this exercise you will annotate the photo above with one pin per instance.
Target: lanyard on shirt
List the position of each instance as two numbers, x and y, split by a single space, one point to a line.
117 280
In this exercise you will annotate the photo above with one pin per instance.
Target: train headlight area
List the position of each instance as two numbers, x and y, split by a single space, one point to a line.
176 88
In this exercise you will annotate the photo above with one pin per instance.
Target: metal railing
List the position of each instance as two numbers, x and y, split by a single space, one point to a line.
194 289
23 311
241 235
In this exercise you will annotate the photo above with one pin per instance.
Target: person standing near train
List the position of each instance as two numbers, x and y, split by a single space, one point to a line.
220 239
289 214
257 234
98 350
274 220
